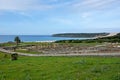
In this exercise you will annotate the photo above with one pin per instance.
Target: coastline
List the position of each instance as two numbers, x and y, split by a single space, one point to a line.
33 38
109 35
42 38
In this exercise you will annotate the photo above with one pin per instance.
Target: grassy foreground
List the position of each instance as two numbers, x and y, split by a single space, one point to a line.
59 68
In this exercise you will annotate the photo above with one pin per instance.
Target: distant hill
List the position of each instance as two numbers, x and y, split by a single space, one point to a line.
112 39
80 35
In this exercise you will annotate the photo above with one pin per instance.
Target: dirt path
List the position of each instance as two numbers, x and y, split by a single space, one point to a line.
71 54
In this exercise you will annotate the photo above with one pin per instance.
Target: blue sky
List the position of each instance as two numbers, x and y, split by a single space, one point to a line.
40 17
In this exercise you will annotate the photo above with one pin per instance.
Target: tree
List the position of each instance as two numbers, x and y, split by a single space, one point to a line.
17 40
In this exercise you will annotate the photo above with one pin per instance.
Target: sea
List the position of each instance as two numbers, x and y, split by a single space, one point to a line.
34 38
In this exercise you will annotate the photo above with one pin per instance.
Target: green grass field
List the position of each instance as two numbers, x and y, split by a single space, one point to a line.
29 52
59 68
44 43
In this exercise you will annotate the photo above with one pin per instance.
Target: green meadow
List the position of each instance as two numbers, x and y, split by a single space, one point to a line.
59 68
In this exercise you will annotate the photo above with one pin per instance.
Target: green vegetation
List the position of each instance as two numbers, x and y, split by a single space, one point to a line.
17 40
27 51
39 43
112 39
84 35
11 44
59 68
7 44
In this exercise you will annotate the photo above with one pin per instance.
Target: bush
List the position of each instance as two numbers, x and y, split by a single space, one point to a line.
14 56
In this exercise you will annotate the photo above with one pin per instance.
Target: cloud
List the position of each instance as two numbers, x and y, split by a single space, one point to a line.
27 5
22 5
94 4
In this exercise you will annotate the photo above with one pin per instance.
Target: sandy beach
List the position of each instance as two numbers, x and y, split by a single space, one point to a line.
111 34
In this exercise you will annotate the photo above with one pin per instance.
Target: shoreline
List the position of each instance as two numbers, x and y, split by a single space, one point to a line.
65 38
109 35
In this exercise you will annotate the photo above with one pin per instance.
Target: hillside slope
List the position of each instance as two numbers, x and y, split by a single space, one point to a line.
80 35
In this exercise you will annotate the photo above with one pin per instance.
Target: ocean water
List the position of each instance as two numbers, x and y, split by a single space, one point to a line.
33 38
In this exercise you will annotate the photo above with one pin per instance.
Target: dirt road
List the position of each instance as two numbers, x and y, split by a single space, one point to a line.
71 54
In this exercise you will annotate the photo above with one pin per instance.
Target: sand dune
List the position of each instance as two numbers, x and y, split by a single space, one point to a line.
111 34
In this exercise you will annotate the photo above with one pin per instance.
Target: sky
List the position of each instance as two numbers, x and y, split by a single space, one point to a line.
45 17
